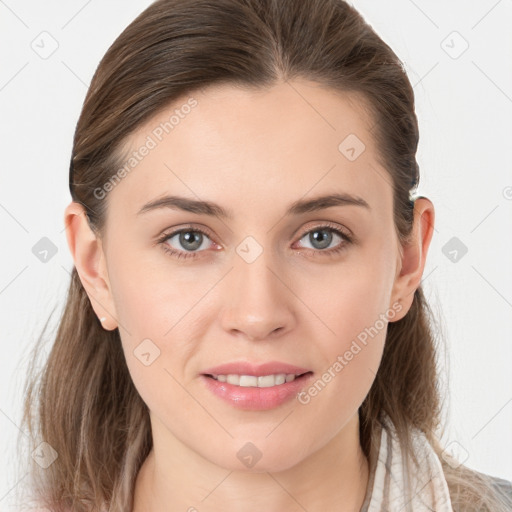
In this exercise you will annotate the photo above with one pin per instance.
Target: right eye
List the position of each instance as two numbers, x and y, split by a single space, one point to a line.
191 240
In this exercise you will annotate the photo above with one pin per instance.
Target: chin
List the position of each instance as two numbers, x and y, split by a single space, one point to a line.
251 459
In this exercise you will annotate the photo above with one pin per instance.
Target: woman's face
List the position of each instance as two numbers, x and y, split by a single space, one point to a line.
265 272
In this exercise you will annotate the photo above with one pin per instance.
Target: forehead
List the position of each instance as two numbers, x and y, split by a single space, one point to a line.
254 147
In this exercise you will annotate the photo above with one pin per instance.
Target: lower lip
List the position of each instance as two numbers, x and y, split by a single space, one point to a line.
253 398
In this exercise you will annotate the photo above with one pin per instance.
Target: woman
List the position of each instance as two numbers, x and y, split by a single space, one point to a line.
245 326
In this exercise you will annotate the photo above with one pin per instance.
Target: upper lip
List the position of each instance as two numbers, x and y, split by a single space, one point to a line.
258 370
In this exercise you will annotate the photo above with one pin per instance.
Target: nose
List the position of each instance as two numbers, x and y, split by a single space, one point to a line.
259 304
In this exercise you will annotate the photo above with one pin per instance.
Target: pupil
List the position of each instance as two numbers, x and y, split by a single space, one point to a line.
191 239
323 241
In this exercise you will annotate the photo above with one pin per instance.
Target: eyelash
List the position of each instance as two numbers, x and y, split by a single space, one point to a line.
191 254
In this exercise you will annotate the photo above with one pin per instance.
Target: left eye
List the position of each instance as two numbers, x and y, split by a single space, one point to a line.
322 237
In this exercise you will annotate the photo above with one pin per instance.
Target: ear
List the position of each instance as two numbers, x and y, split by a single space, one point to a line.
87 252
413 256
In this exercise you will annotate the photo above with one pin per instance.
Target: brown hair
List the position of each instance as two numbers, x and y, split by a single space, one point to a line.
86 406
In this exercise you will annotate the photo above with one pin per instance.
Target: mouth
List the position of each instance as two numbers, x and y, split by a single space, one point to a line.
257 381
255 386
251 387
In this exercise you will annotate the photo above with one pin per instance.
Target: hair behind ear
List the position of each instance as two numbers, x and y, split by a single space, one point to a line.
101 417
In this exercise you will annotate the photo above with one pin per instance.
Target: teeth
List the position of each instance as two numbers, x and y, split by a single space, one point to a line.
265 381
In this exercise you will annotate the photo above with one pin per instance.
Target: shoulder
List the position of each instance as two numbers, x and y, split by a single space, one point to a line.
504 485
500 484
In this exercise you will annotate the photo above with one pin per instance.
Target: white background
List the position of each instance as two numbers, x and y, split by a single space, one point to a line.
464 106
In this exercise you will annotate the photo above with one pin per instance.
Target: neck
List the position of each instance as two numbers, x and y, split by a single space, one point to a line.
177 478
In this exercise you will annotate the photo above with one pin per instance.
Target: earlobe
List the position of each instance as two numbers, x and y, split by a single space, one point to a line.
414 255
89 259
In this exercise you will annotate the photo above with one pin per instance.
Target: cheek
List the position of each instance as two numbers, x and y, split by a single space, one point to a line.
348 299
152 296
158 340
352 362
352 305
152 310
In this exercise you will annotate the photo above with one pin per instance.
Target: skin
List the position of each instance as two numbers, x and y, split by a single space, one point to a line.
253 152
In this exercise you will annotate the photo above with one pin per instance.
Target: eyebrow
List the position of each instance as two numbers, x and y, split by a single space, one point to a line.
298 207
